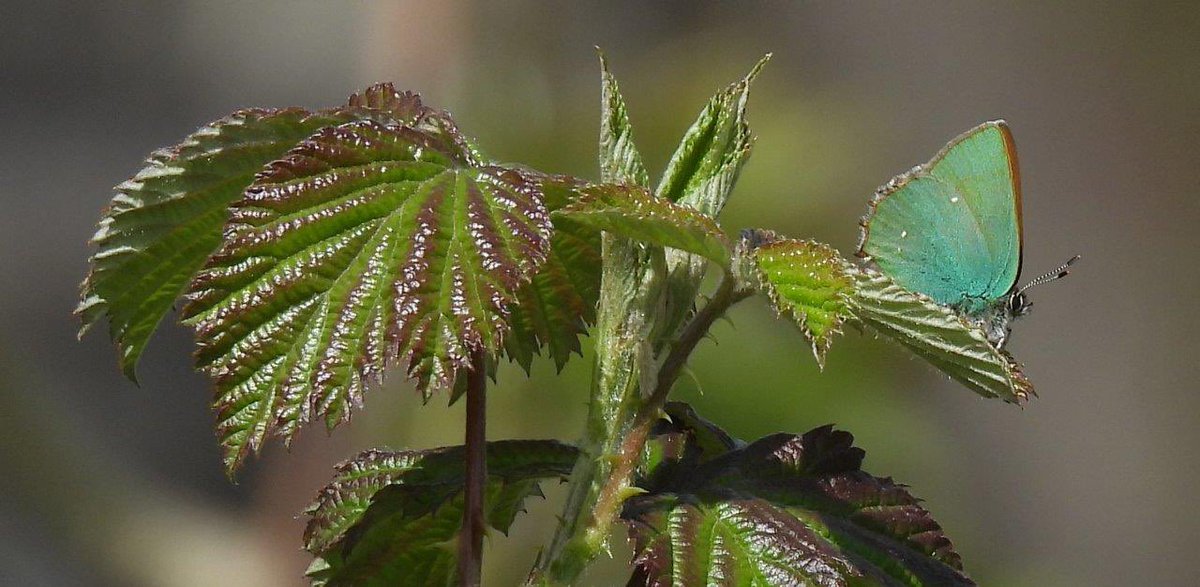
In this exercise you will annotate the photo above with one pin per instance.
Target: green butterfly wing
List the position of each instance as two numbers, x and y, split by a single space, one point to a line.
951 229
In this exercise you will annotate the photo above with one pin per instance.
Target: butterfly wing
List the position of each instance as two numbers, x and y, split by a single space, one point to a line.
951 229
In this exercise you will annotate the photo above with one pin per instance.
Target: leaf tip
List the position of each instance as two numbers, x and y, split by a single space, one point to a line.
819 355
128 361
754 71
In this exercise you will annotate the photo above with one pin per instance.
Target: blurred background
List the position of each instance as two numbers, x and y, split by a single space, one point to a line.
106 483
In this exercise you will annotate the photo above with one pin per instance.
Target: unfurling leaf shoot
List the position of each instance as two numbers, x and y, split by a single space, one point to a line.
317 249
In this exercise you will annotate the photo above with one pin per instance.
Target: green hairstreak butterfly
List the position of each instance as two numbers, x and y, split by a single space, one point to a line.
951 229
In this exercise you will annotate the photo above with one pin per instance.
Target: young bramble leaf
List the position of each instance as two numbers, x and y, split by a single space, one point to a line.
704 167
807 281
388 517
630 291
939 335
634 213
784 510
554 309
366 245
701 175
620 161
165 222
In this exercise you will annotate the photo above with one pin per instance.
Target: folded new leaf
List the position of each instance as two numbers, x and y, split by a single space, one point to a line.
701 175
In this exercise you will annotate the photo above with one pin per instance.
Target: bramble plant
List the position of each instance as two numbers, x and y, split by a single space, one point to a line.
316 249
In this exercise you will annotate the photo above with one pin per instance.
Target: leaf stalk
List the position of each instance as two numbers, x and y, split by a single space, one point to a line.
470 537
611 473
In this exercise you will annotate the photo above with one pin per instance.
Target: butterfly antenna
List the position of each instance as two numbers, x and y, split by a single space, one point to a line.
1063 271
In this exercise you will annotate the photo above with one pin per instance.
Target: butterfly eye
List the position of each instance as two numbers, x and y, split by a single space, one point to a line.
1019 305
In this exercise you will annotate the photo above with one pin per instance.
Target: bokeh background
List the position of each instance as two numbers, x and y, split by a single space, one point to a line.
105 483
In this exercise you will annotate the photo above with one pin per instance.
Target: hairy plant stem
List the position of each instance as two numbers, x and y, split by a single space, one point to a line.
604 474
470 537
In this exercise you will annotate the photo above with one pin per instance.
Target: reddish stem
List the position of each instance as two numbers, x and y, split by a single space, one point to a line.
470 538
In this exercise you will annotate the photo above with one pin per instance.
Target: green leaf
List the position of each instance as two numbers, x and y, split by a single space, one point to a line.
556 307
785 510
630 291
701 174
368 244
620 161
938 335
560 302
391 518
807 281
705 166
165 222
634 213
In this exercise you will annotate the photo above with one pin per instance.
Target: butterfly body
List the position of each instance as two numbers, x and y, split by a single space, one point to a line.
951 229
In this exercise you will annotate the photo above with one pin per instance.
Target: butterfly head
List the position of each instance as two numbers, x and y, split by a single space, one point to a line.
1017 304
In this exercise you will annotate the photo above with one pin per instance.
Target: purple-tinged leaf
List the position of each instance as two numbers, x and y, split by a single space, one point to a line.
555 308
738 541
367 245
784 510
166 220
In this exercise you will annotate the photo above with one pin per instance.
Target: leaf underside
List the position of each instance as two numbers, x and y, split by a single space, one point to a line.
938 335
366 245
807 281
165 221
391 518
634 213
784 510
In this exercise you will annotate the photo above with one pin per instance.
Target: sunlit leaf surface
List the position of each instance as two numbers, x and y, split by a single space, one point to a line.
705 166
620 161
166 220
555 308
634 213
807 281
368 244
390 518
784 510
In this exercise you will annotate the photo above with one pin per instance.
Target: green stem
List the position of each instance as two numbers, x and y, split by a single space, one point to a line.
470 537
603 478
726 296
